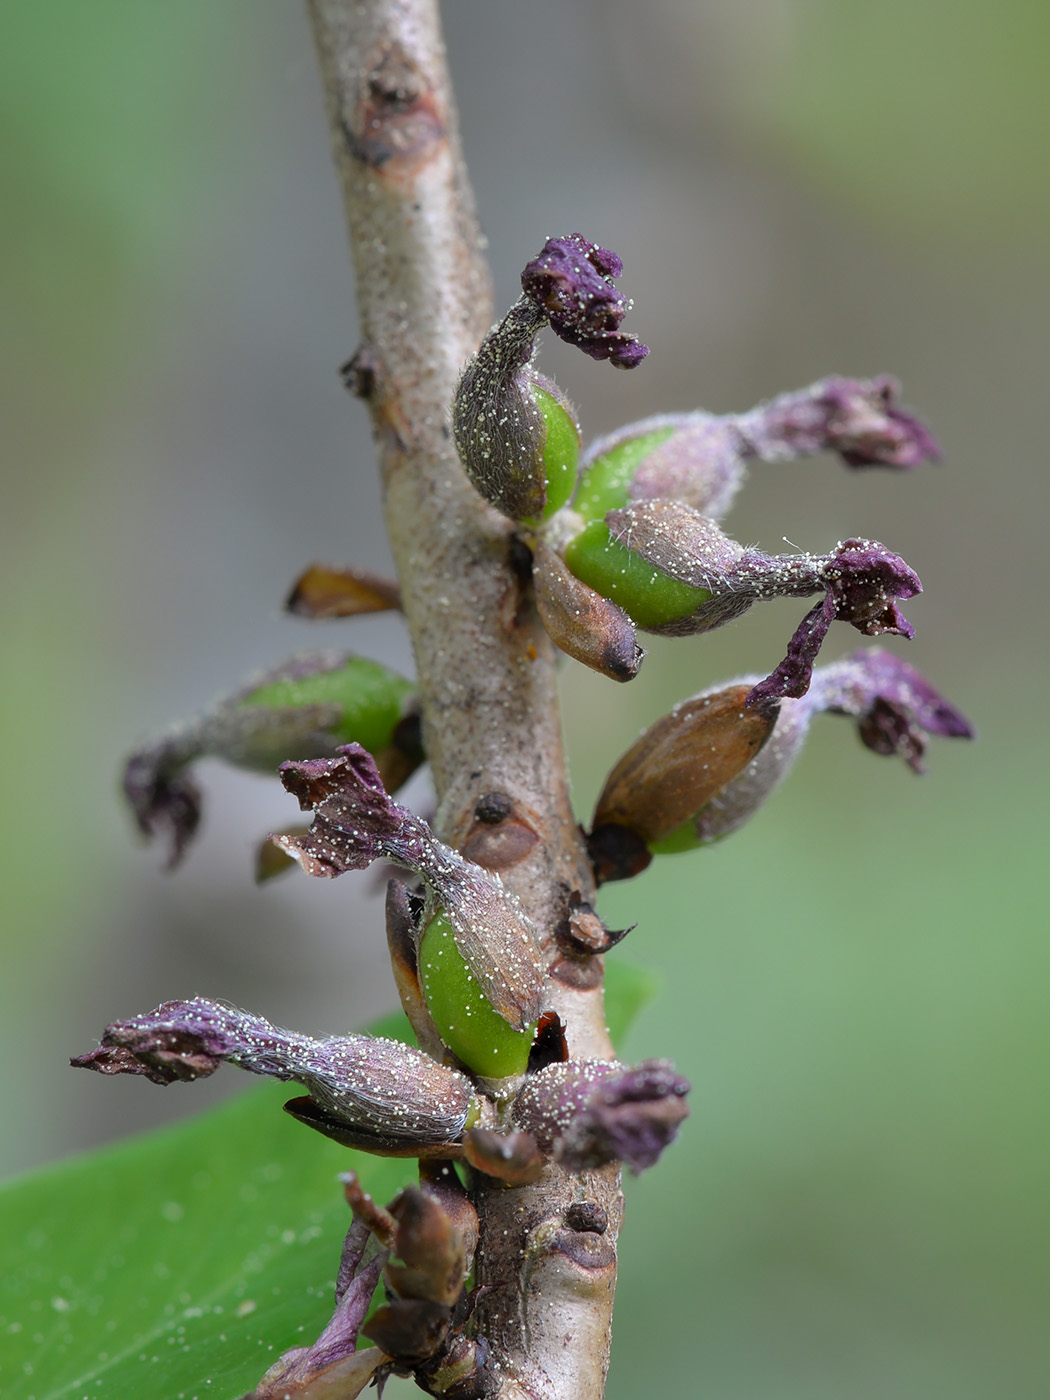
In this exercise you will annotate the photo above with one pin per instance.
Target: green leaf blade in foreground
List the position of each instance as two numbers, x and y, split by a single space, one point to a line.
181 1263
178 1264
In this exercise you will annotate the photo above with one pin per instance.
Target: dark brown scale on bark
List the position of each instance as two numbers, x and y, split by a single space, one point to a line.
397 126
617 853
582 973
359 372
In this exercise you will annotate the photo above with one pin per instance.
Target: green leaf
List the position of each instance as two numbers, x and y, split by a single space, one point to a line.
181 1263
627 990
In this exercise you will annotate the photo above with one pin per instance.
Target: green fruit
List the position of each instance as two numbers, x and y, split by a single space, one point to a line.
561 451
371 696
650 597
465 1019
605 485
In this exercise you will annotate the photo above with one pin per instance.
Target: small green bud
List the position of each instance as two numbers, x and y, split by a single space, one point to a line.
467 1022
370 699
650 597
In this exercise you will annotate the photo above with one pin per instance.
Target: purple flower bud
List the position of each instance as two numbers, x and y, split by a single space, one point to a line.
861 580
385 1096
356 822
587 1113
569 283
306 706
895 707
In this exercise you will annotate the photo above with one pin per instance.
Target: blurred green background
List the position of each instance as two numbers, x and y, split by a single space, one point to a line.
857 982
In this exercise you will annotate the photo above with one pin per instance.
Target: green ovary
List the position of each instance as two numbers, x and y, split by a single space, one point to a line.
466 1020
560 452
682 839
605 485
372 699
648 595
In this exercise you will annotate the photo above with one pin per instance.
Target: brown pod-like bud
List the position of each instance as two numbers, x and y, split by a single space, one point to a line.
322 591
681 762
439 1179
580 622
429 1257
408 1329
512 1157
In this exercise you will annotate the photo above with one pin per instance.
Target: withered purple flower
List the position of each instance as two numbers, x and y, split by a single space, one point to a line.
333 1366
701 458
860 419
569 283
861 581
588 1113
515 431
307 705
895 708
356 822
370 1092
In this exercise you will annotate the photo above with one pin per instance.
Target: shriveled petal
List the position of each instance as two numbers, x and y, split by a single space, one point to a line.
380 1090
332 1368
570 282
357 822
863 580
860 419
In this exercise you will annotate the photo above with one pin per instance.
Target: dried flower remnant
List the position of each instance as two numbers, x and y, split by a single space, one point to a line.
308 705
570 283
356 822
861 580
325 591
515 431
370 1092
895 708
700 459
333 1366
588 1113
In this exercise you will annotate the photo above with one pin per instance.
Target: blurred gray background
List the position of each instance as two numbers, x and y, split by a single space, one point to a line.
857 982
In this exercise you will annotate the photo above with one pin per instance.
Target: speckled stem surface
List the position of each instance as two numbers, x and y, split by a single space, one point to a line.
485 666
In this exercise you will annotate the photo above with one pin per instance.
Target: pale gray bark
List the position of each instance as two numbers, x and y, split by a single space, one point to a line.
485 665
